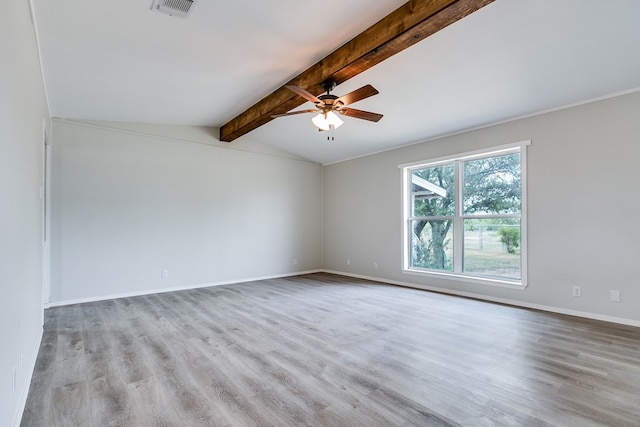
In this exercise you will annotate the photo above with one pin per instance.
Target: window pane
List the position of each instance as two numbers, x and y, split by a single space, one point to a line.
432 244
432 191
492 185
492 247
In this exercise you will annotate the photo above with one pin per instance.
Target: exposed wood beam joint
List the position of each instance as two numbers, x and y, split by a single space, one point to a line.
410 23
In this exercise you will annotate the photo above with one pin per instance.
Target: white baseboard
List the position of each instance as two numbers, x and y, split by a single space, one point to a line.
559 310
31 367
174 289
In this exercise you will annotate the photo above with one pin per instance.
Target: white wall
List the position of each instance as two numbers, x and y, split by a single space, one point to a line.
583 203
132 200
22 110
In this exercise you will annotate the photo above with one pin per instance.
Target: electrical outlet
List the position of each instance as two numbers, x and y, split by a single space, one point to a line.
375 265
165 274
614 296
295 261
348 261
577 291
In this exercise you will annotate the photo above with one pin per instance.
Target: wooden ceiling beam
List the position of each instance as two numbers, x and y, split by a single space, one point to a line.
410 23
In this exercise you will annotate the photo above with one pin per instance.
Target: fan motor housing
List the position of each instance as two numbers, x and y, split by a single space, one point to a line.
328 102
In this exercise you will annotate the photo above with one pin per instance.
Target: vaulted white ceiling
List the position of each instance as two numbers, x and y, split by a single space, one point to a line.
119 61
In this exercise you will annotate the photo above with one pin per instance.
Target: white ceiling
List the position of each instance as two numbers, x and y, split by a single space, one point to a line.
119 61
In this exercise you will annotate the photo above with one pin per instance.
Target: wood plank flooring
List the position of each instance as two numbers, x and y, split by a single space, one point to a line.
326 350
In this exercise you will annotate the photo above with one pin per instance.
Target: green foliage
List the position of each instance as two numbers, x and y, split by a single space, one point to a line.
510 236
492 185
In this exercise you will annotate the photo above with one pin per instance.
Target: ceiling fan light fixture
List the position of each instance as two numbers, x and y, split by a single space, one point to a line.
326 121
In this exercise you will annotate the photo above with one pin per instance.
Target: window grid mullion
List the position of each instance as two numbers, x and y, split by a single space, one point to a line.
431 218
457 219
492 216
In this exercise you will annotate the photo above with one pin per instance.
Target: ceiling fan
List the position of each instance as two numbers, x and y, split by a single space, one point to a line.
329 106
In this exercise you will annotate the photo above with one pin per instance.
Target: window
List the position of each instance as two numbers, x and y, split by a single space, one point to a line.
464 216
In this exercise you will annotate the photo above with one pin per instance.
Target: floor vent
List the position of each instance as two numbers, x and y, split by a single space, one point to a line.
178 8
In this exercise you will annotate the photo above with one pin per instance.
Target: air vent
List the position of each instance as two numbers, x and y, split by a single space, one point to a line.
179 8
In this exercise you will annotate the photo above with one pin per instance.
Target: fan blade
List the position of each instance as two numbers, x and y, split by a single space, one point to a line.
303 93
359 114
357 95
293 113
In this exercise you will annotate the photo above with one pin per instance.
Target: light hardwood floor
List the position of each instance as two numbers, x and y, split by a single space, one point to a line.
326 350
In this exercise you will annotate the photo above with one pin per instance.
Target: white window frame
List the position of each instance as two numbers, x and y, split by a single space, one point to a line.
457 274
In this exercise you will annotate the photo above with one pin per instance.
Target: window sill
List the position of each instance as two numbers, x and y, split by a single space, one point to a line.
501 283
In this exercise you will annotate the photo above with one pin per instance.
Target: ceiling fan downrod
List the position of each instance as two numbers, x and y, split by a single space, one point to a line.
328 85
